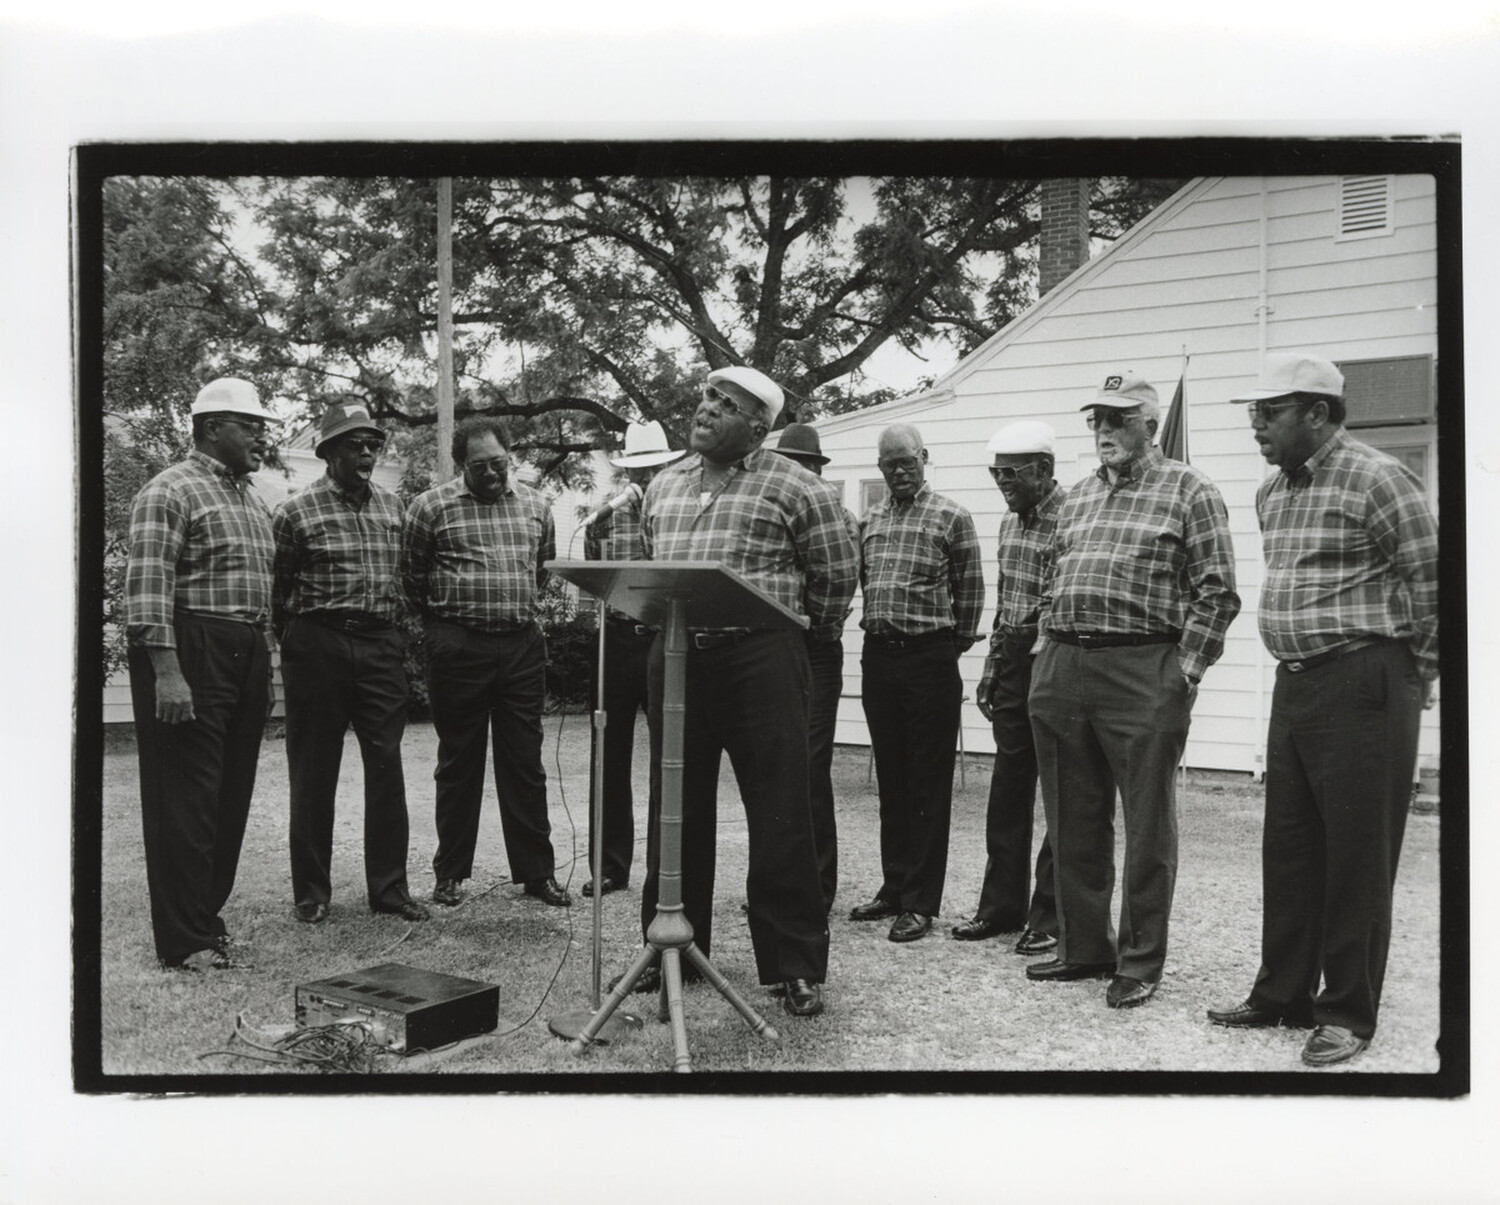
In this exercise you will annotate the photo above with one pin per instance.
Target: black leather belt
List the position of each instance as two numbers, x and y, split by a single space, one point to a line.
1101 640
629 626
892 640
348 621
1343 650
711 638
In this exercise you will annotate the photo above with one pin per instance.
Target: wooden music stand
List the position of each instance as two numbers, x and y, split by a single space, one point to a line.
670 595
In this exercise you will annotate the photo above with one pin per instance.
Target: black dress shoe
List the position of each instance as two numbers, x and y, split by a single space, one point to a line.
406 910
1329 1044
1248 1016
1125 992
974 930
606 885
876 909
448 892
1032 942
909 926
312 913
548 892
803 999
1054 970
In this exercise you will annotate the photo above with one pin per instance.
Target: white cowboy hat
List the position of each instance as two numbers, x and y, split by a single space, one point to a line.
645 446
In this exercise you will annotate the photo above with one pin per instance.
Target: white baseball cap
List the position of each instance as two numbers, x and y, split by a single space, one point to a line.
756 384
230 395
1026 438
1282 373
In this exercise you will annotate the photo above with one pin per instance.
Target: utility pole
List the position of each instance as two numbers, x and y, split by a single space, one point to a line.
445 466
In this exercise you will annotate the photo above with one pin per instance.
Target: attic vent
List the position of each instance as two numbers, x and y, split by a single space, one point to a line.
1364 206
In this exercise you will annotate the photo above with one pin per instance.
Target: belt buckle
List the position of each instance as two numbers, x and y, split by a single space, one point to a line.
1087 641
703 640
1294 667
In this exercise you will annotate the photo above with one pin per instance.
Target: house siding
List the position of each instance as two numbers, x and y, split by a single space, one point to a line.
1187 277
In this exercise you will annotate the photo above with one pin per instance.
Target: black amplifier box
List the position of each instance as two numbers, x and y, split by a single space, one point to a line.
407 1010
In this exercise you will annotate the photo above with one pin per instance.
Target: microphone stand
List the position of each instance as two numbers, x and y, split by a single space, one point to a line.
570 1024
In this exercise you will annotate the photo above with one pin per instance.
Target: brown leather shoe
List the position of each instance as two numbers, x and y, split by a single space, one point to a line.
548 891
1032 942
1329 1044
803 999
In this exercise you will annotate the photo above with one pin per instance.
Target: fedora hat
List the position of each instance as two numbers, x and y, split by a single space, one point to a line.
342 417
800 441
645 447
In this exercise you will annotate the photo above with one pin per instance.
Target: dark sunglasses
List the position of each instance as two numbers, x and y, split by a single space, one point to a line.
1109 418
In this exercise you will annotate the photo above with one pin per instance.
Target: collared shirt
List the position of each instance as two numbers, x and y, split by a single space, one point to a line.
336 552
477 563
616 537
922 568
1025 554
200 540
1351 550
1149 554
770 520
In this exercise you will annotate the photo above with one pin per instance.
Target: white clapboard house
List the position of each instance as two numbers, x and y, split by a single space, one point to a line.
1226 269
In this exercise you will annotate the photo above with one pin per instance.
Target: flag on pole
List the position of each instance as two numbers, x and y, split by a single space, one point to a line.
1174 432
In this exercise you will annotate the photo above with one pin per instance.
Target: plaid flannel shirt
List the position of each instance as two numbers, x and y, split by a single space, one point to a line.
200 540
771 521
477 563
1351 550
1150 554
922 567
616 537
1025 556
336 553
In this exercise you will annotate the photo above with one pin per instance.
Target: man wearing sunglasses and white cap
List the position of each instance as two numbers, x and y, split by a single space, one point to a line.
1022 469
737 503
616 536
1349 610
1142 594
336 606
198 610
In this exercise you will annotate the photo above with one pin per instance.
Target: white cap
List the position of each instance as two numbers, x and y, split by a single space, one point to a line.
1282 373
756 384
230 395
1023 439
645 447
1123 390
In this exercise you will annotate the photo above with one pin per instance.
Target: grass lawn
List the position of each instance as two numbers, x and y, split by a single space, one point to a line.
932 1005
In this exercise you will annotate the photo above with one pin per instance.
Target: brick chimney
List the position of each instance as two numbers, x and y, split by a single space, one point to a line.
1065 231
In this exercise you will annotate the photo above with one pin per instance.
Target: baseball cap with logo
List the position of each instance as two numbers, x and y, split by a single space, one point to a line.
1123 390
1282 373
230 395
342 417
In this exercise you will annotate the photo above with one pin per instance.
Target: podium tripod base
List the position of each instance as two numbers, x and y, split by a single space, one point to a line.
569 1025
670 1006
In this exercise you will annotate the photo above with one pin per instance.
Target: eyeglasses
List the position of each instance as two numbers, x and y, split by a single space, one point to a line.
369 444
1109 418
1005 472
718 397
483 468
906 464
1268 410
257 429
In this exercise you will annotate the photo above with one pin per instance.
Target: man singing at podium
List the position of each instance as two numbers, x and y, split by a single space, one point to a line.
772 522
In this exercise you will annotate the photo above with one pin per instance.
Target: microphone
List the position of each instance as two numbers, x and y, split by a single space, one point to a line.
631 493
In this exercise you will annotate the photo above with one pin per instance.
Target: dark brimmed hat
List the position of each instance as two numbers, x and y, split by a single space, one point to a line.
800 441
342 417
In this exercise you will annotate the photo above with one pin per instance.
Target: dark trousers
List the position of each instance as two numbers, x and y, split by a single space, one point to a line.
479 682
750 700
826 660
1012 807
625 656
1340 755
1102 719
197 777
334 679
912 696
